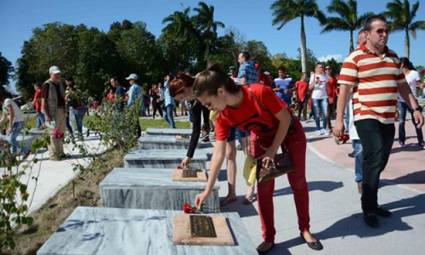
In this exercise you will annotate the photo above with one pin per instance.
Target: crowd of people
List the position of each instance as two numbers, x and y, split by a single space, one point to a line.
372 90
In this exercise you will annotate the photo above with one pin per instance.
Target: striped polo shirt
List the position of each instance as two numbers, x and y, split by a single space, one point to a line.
375 80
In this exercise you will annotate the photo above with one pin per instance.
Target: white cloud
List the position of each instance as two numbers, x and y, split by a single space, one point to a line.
337 57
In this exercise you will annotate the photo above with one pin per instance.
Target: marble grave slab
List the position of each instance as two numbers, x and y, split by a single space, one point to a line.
153 188
163 158
112 231
167 142
184 132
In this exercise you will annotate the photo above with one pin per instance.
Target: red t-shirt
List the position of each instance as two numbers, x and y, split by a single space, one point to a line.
37 100
302 88
250 116
331 89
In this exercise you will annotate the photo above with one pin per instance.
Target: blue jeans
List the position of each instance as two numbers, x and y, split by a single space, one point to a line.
40 119
168 116
358 158
402 109
79 115
16 129
320 106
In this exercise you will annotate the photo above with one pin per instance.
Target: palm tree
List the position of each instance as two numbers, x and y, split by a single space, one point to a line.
206 24
348 19
287 10
401 17
179 25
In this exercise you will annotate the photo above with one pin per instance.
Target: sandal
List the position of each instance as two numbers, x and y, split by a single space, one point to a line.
264 248
227 200
248 200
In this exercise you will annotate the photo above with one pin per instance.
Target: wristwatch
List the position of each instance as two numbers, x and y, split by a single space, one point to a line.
418 109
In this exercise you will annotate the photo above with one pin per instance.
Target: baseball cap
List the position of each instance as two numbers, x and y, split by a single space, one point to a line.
54 70
132 76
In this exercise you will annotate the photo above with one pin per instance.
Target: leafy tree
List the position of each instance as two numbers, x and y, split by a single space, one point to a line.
6 70
401 18
259 53
348 19
285 11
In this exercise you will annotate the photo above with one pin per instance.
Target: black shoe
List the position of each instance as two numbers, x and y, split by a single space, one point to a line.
371 220
262 251
352 154
317 246
382 212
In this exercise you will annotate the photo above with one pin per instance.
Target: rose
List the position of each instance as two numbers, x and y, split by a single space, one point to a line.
56 133
187 208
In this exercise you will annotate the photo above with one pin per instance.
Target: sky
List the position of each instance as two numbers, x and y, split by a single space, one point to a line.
252 18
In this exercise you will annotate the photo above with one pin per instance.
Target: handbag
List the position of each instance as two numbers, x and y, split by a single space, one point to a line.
282 161
282 165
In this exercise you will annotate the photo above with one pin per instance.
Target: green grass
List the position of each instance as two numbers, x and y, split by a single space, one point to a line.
161 123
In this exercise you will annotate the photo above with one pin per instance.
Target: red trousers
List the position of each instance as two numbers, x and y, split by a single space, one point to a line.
295 142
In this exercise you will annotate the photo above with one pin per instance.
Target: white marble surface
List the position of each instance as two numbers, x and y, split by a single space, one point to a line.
163 158
112 231
152 188
167 142
169 131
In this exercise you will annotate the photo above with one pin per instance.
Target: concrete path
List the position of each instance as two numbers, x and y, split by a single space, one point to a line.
335 209
51 175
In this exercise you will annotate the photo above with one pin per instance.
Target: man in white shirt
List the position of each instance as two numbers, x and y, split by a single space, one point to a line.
14 118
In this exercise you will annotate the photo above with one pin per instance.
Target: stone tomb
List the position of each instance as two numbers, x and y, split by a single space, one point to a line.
167 142
183 132
112 231
153 188
139 158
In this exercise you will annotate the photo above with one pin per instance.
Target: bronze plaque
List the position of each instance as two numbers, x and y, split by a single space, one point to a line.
202 226
190 173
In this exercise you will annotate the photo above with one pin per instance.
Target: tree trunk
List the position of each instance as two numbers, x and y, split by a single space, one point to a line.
351 41
303 48
407 44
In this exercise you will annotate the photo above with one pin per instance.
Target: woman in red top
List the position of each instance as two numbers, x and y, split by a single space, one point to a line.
302 96
37 106
255 108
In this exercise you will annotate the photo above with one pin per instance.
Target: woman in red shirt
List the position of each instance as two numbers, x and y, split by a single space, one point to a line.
255 108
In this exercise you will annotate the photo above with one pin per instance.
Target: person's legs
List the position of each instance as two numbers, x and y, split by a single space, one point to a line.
419 133
296 145
402 109
376 140
170 116
56 144
16 129
347 117
266 209
316 113
358 158
231 169
324 109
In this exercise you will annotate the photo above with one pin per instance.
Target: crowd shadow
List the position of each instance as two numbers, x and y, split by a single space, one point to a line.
244 210
353 225
317 138
325 186
417 177
410 147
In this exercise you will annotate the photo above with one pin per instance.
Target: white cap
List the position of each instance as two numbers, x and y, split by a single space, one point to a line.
132 76
54 70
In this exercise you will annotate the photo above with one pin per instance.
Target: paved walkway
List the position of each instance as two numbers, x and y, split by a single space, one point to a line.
335 206
53 175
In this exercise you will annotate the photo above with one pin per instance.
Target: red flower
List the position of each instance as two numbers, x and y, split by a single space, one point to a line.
56 133
188 209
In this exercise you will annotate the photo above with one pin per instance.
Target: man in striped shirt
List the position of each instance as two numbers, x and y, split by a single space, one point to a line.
373 71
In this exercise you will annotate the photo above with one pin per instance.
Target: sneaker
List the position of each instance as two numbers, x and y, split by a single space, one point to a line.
359 187
382 212
371 220
352 154
205 139
421 145
401 144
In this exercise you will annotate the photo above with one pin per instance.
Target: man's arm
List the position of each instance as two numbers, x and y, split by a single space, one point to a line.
410 99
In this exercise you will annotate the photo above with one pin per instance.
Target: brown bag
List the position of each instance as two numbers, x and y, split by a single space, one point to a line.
282 165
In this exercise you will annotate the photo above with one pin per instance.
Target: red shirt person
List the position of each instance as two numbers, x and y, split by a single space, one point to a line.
258 110
302 97
37 105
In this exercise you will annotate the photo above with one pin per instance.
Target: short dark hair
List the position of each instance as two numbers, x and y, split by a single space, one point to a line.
114 78
246 55
362 30
405 63
281 68
37 84
368 23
